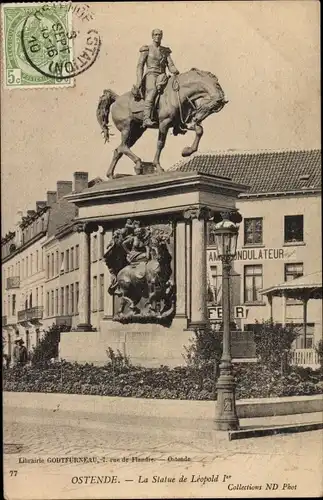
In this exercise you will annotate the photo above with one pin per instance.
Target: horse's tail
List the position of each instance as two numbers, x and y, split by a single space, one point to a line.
103 109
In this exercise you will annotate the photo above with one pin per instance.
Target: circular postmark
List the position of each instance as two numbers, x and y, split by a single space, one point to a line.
54 48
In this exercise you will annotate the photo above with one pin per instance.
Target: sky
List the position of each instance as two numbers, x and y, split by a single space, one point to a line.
265 55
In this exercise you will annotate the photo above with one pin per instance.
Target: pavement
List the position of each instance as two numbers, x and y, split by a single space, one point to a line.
133 447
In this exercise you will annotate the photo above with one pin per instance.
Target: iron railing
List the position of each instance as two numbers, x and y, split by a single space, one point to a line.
30 314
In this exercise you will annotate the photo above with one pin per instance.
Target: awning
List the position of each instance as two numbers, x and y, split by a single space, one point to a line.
309 286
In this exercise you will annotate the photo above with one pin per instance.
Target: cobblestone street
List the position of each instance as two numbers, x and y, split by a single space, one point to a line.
119 444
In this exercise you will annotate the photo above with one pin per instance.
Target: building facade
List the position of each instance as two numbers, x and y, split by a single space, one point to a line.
23 278
279 237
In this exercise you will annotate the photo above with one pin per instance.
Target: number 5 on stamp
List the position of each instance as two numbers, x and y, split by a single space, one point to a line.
13 76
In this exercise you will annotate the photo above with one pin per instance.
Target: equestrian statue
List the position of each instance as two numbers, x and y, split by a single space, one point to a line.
180 101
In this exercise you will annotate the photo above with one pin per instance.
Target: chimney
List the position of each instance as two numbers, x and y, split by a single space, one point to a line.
81 180
30 213
51 198
40 204
63 188
19 217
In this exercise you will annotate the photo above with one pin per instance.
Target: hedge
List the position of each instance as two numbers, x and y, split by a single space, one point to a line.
253 381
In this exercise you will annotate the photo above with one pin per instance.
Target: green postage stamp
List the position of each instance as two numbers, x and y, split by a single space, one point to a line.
36 36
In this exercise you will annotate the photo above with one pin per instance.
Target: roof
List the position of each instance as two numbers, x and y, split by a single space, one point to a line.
308 283
264 171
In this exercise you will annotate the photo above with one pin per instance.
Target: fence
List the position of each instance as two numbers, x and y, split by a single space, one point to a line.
305 358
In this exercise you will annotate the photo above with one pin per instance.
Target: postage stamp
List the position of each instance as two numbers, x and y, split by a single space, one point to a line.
42 48
46 29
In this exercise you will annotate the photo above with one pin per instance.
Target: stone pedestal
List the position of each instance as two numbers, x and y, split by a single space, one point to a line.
184 200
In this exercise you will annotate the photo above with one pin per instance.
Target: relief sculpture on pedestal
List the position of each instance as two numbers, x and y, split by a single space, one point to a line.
139 261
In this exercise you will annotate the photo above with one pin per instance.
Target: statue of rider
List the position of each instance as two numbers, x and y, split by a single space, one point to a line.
156 58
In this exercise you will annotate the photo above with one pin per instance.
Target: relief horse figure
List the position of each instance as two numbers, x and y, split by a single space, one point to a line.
139 271
187 99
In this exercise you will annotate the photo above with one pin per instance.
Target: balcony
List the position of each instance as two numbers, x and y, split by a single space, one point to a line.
4 321
13 282
31 314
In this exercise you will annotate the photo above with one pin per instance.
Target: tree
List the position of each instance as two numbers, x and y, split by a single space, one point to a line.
48 345
274 343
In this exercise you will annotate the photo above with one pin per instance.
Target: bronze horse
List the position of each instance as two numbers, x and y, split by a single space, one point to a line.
185 102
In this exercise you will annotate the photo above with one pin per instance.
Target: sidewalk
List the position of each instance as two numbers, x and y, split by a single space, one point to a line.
193 418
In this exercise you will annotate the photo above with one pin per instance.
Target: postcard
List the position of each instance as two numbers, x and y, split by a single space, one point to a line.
161 250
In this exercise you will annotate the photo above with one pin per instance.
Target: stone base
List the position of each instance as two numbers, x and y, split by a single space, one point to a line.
145 344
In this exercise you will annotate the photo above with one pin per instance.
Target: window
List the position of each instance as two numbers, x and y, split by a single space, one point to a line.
22 268
47 304
252 283
212 291
37 261
13 304
27 269
95 248
56 302
62 263
67 298
37 297
37 336
210 233
18 269
293 271
294 228
309 342
77 256
57 263
77 295
101 296
67 261
72 300
94 293
253 231
31 264
53 264
72 259
42 296
52 303
48 266
62 301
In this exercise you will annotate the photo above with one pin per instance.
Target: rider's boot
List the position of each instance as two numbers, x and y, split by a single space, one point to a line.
148 122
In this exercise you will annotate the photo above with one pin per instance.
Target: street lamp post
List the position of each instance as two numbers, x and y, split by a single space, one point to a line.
226 236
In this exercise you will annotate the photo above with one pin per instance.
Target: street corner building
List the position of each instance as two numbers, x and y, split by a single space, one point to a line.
55 273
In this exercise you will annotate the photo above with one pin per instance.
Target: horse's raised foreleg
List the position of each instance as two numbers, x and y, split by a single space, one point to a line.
198 135
162 134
